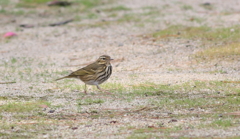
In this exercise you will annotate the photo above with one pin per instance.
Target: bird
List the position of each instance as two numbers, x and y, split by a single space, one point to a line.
93 74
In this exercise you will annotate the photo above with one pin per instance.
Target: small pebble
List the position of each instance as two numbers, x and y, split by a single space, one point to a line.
51 111
206 4
191 109
172 120
74 128
120 44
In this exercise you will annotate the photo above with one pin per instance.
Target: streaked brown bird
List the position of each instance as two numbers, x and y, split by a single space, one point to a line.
95 73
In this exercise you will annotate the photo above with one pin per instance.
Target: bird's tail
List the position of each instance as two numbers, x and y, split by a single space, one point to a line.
62 78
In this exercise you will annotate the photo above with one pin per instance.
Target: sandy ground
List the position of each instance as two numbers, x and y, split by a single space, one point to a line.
137 60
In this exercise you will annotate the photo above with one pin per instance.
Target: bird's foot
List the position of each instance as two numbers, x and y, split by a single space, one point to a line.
85 92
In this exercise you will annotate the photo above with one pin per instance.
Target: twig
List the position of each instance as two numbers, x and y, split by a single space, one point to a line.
61 23
7 82
230 81
26 25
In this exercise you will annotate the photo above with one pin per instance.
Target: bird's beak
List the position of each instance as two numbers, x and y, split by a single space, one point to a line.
111 59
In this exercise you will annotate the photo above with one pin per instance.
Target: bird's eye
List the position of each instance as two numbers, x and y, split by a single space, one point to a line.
103 58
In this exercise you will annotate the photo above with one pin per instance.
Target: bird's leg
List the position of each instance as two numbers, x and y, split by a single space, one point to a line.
102 90
85 89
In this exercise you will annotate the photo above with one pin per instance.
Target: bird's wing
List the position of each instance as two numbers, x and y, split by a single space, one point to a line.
88 70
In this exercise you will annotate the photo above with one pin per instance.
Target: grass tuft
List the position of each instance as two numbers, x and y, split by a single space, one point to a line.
31 3
90 101
229 51
223 42
221 123
203 33
117 8
22 106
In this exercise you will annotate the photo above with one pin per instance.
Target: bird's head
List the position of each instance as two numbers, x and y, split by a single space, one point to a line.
104 59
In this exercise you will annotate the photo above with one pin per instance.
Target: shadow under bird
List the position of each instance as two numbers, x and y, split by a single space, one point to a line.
95 73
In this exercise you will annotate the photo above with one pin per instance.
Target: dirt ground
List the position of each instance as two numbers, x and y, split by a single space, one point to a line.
38 55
